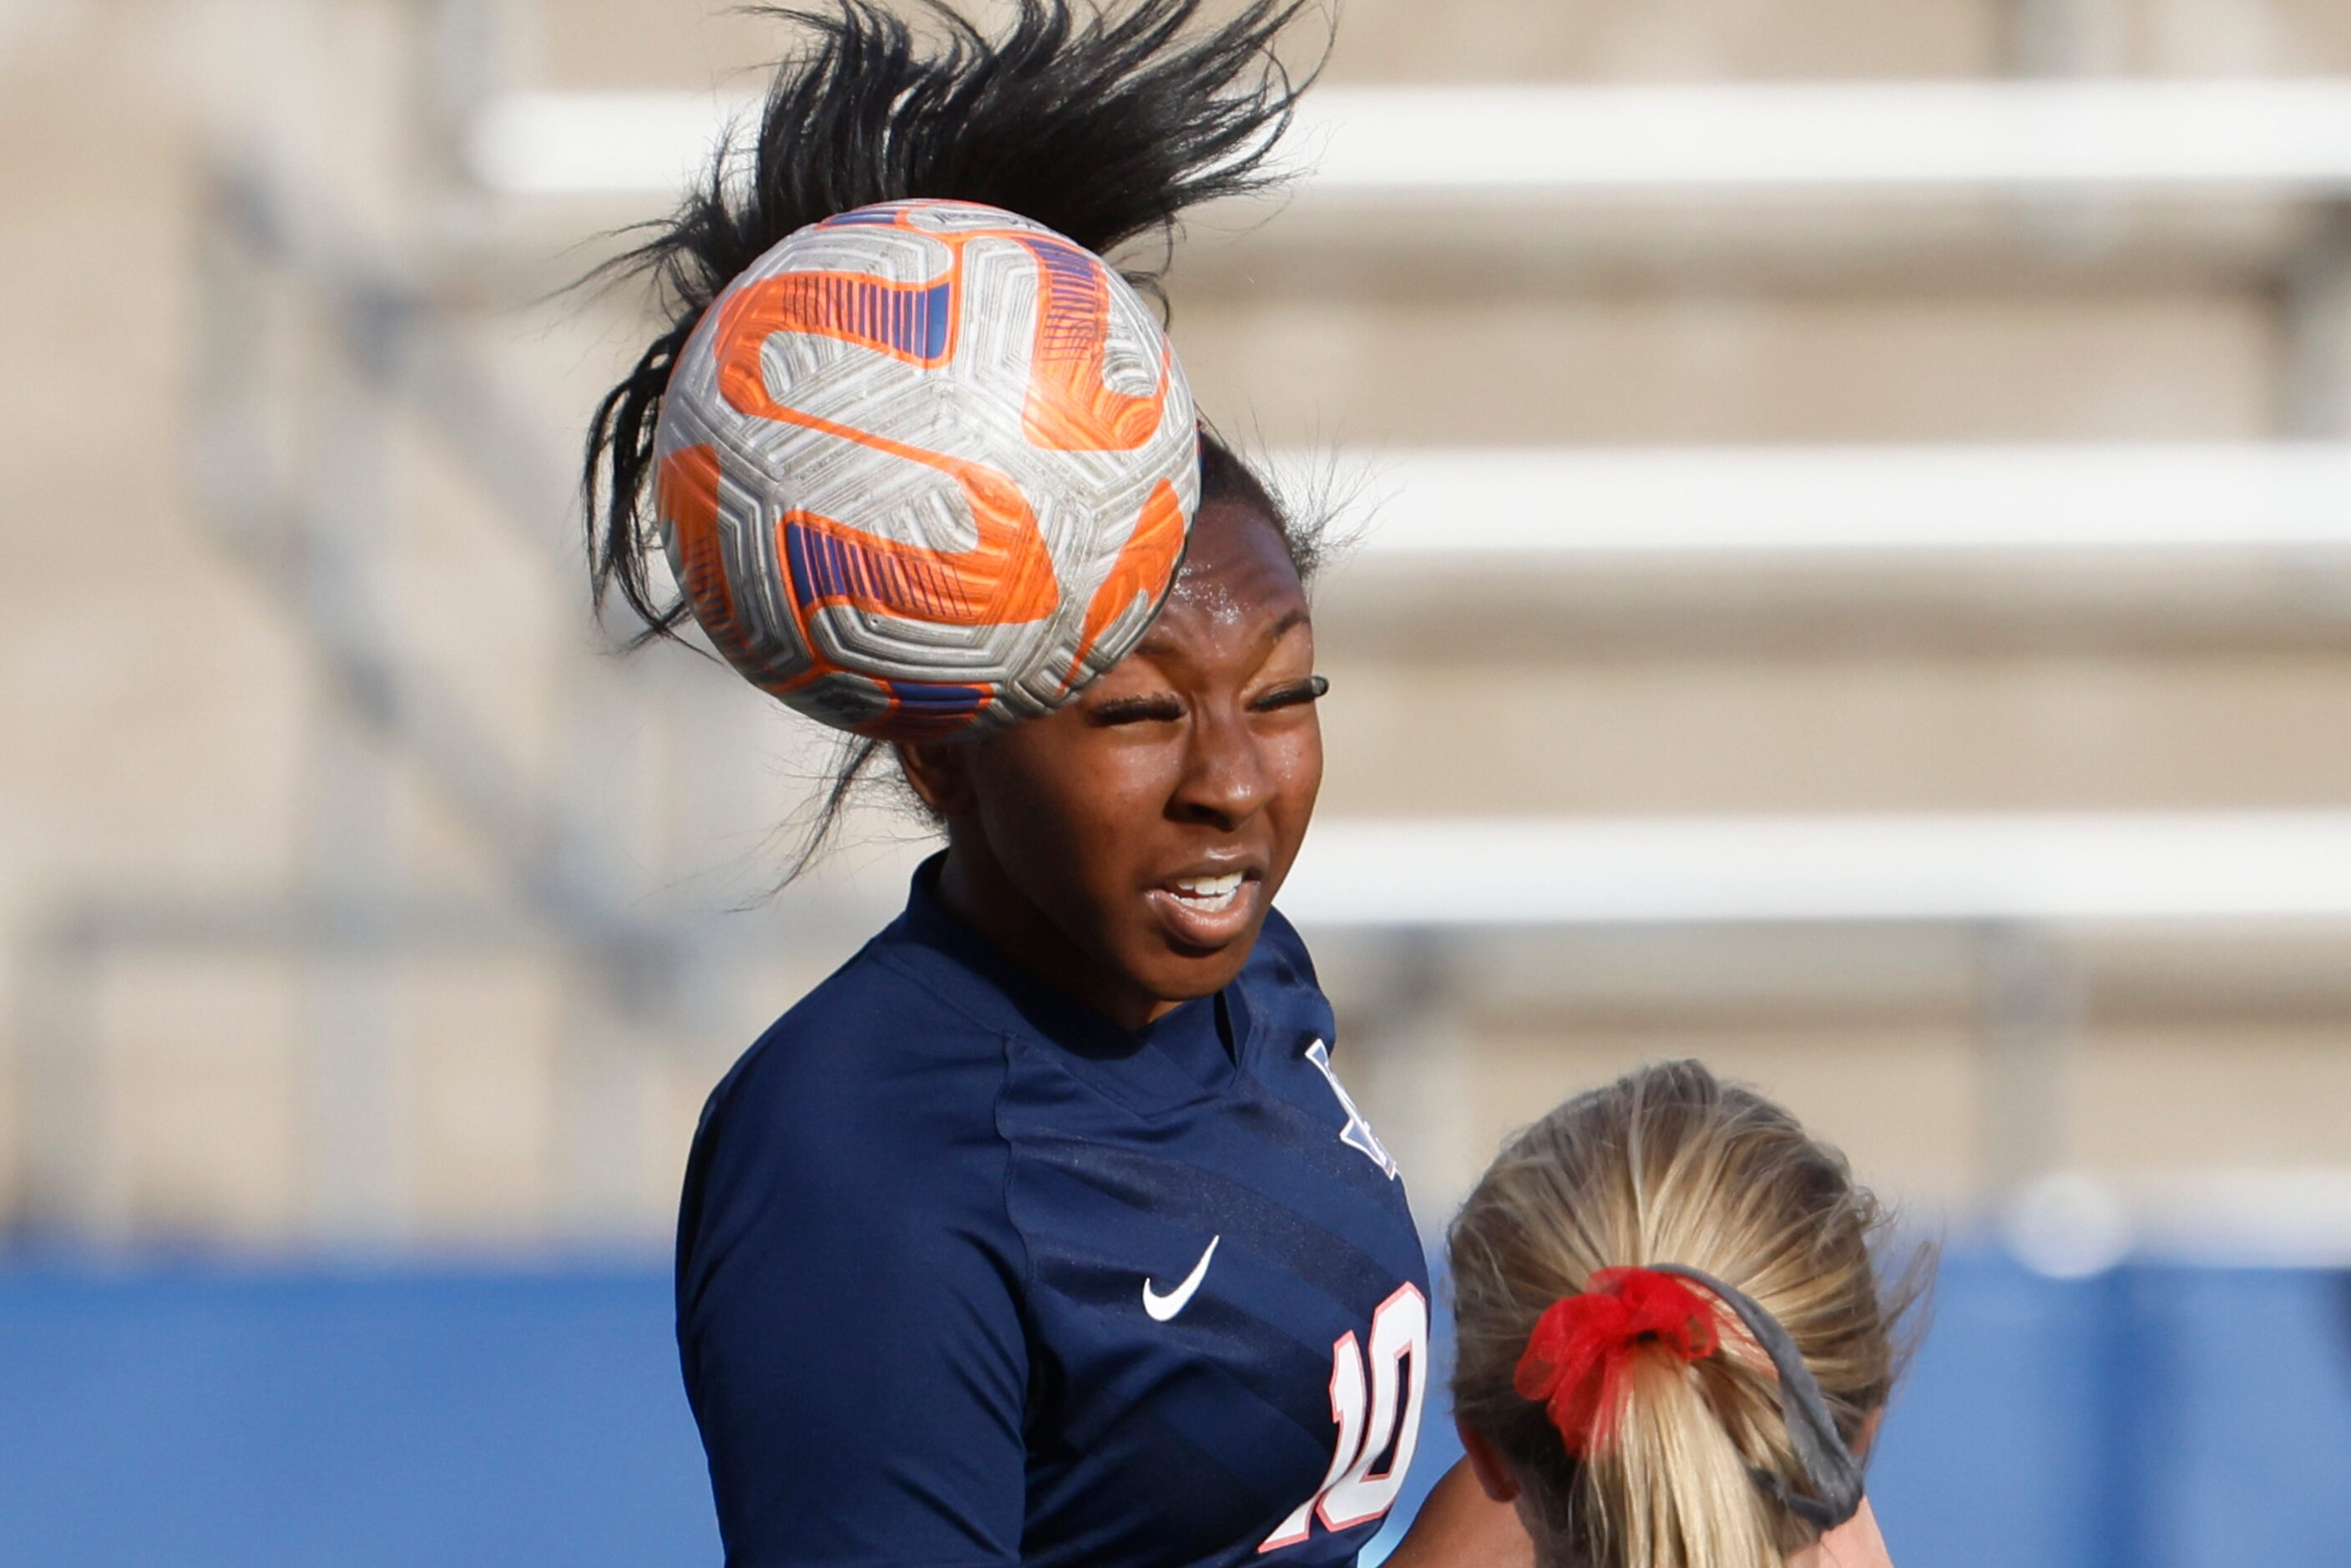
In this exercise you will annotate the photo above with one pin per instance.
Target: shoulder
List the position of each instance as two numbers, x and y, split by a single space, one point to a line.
853 1153
1281 956
875 1068
1284 997
849 1282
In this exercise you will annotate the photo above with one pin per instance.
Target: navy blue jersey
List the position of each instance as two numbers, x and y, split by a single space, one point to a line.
967 1274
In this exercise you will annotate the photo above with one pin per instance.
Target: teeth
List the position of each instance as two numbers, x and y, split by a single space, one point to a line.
1209 891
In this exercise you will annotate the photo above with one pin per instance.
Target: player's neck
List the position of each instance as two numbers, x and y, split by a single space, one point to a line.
974 888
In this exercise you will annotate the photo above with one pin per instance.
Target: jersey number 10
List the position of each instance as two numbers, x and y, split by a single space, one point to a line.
1375 1403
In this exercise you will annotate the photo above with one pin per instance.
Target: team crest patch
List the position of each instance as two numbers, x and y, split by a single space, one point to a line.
1357 1134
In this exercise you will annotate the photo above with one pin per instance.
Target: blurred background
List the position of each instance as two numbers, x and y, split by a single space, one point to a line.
1853 583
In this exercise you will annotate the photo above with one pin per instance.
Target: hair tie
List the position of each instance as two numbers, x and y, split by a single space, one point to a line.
1575 1358
1833 1474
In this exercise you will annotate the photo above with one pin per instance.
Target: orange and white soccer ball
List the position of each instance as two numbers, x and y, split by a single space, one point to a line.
926 467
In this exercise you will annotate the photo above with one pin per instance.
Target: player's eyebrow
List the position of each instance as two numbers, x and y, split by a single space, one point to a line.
1282 628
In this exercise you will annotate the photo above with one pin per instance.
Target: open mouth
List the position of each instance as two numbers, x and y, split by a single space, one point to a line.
1211 894
1206 909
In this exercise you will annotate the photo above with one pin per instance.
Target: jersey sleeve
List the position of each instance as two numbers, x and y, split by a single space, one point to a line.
848 1320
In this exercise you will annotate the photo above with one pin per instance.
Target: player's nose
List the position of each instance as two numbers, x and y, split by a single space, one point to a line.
1225 780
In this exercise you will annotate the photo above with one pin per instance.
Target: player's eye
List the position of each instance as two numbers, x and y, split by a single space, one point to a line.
1156 708
1294 695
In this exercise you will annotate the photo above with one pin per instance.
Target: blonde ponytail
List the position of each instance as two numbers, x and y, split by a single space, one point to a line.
1699 1456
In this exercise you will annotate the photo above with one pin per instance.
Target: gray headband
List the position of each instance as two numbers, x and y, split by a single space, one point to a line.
1829 1465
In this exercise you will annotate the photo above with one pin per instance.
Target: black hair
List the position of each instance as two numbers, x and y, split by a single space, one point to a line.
1104 124
1104 119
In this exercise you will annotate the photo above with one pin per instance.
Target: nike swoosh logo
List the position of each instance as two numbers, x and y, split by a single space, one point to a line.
1163 1307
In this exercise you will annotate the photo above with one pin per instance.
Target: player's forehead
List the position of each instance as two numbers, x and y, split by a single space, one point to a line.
1238 582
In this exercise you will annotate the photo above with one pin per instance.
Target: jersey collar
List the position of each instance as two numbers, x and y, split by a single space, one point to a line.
1193 1039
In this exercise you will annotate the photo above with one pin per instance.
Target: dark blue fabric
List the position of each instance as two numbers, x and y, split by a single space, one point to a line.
918 1224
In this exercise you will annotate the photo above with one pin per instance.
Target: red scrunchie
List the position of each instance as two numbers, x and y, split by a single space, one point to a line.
1576 1356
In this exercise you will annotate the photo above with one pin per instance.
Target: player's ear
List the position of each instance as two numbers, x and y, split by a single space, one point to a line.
1486 1461
940 773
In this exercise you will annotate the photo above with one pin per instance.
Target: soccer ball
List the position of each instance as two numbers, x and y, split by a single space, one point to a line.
925 467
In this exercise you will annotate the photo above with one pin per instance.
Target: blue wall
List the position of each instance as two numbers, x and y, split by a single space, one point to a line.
2152 1418
254 1420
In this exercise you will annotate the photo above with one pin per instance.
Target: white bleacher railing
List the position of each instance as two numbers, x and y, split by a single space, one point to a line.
1469 508
2292 136
2021 868
1828 136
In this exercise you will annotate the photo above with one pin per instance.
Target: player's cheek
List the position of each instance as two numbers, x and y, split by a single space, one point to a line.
1064 794
1297 769
1127 799
1302 765
1115 826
